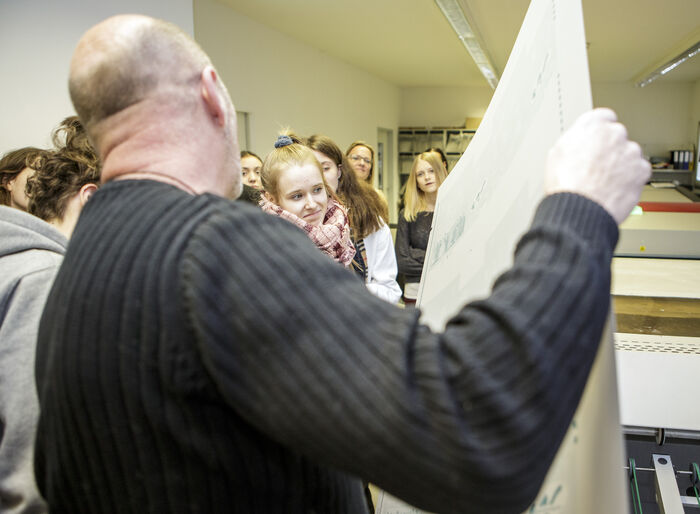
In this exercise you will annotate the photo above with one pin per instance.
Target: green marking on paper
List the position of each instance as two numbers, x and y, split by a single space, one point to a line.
547 504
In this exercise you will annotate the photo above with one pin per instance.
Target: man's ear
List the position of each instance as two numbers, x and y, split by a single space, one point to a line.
210 95
86 192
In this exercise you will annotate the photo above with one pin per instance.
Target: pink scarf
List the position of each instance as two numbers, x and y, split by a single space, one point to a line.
332 237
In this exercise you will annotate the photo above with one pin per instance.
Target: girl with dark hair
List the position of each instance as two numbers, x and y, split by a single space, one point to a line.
15 168
31 251
66 178
251 165
375 260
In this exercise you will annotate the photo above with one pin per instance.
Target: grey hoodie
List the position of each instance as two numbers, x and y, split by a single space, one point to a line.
30 254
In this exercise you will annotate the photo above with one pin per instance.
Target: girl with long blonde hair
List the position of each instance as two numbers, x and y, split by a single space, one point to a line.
415 219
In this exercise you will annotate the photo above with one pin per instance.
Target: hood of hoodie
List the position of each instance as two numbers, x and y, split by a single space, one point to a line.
20 232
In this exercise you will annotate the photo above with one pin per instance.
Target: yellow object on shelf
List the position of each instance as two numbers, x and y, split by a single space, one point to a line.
472 123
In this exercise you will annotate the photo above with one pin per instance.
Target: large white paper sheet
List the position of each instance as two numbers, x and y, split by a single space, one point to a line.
488 200
487 203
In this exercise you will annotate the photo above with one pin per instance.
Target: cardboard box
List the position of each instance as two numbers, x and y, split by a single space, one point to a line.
472 123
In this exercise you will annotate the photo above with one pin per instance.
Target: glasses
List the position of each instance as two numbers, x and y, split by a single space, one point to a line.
356 158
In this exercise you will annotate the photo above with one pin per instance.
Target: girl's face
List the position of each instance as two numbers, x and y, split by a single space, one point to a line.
425 177
250 171
361 161
16 187
302 192
330 171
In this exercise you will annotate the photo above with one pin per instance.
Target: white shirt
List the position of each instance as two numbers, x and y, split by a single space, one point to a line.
381 265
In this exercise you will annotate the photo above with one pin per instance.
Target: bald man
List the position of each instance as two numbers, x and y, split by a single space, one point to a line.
197 355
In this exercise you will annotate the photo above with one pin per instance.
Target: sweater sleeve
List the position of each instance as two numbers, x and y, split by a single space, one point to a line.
409 259
381 265
467 420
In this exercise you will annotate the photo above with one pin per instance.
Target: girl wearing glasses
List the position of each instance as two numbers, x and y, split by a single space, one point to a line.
415 219
361 157
375 260
295 190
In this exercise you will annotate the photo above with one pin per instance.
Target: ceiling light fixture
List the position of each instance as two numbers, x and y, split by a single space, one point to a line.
457 18
670 65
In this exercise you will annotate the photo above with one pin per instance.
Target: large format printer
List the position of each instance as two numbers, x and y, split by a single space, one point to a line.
656 290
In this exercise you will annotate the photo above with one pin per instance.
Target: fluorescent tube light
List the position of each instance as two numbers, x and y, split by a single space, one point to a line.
460 24
670 65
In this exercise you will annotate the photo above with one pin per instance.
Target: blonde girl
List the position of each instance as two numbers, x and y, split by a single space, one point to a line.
415 219
295 190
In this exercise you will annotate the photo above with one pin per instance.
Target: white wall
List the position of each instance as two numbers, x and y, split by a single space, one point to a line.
278 80
695 116
443 106
37 38
283 82
657 116
661 116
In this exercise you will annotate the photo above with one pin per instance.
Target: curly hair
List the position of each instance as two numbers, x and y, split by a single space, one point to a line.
70 136
67 169
13 162
366 209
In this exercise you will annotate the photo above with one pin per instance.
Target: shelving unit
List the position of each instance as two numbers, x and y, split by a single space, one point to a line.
682 177
413 141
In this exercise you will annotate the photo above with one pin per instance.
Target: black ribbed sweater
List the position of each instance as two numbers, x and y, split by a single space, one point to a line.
199 356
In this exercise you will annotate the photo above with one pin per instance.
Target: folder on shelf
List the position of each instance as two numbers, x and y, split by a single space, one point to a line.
453 142
466 139
405 164
436 139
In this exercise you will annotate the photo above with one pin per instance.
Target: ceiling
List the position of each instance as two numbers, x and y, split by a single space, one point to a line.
409 43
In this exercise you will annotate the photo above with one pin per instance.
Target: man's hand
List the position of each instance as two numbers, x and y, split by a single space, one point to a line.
595 159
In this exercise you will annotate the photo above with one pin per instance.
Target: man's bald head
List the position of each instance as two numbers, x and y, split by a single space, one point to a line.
153 106
129 58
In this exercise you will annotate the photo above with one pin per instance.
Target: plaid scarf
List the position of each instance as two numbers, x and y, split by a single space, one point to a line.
332 237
